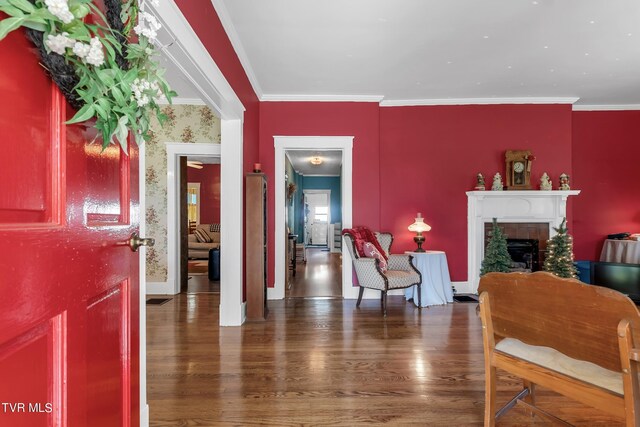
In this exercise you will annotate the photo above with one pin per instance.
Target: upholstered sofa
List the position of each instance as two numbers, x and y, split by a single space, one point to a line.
204 237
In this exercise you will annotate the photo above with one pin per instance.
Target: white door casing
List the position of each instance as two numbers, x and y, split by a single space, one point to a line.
318 143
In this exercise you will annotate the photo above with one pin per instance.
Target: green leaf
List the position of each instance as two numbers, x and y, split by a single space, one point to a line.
9 24
80 10
10 10
106 77
122 132
35 25
102 113
24 5
117 95
84 114
110 51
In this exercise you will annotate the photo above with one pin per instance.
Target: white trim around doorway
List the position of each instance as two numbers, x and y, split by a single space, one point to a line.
175 150
292 143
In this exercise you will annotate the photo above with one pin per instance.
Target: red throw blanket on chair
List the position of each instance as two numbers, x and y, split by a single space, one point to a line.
360 236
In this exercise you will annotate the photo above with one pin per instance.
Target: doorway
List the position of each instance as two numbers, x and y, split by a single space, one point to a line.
287 147
314 211
200 225
317 210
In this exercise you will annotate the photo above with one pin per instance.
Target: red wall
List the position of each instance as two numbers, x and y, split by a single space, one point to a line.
327 119
430 157
209 179
205 22
606 149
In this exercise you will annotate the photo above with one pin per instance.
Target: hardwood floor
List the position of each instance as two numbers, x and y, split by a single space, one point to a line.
199 284
324 362
321 276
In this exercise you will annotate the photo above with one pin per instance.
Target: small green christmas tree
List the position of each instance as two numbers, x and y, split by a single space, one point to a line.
496 256
559 260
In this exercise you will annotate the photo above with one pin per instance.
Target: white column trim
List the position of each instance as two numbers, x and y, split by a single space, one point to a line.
281 144
231 224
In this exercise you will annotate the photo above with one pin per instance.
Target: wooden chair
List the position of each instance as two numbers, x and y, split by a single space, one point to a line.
578 340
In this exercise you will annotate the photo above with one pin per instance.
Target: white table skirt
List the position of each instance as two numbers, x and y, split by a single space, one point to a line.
436 282
623 251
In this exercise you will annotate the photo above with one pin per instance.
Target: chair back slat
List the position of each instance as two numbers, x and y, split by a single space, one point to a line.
576 319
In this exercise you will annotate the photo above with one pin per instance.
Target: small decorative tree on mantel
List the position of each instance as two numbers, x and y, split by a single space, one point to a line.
559 259
496 257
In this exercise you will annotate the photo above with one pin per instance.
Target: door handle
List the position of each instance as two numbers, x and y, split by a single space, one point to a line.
136 241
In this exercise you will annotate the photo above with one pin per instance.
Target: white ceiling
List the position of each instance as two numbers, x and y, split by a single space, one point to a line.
439 50
301 161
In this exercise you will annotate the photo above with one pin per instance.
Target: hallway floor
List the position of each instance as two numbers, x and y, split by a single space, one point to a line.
321 276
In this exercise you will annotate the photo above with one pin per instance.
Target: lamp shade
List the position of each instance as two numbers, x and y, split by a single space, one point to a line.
419 226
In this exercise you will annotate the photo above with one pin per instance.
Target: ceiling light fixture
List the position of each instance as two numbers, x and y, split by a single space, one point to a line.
316 160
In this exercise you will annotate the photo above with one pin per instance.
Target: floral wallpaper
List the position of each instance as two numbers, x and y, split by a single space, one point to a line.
188 124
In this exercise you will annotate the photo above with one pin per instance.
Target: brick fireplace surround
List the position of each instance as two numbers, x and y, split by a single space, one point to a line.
523 230
522 214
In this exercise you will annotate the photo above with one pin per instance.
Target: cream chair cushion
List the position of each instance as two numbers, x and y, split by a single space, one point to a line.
550 358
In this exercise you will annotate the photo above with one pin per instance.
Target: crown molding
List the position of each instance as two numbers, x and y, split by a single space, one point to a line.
234 38
621 107
321 98
182 101
476 101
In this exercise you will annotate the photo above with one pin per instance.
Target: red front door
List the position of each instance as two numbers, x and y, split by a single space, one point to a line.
68 283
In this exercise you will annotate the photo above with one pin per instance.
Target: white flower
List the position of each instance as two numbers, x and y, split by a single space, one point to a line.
81 49
59 43
145 91
148 26
96 54
142 101
155 3
60 9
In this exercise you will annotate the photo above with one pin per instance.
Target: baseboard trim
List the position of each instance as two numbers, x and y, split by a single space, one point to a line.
463 288
160 288
275 293
144 415
233 317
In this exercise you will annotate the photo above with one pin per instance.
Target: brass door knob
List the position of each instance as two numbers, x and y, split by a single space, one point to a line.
136 241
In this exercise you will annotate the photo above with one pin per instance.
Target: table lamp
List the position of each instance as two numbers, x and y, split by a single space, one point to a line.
419 226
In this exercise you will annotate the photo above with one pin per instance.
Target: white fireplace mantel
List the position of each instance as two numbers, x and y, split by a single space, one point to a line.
508 206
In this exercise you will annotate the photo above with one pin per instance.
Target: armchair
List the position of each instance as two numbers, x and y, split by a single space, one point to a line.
400 273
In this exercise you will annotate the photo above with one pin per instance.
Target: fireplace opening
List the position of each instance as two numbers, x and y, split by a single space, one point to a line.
524 254
526 243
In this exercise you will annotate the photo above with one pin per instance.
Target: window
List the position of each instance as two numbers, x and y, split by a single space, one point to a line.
321 214
193 203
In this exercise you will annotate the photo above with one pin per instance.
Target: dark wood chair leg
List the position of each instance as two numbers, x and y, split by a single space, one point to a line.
360 296
419 296
384 303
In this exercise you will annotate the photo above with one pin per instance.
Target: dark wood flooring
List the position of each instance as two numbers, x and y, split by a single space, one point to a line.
324 362
321 276
199 284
